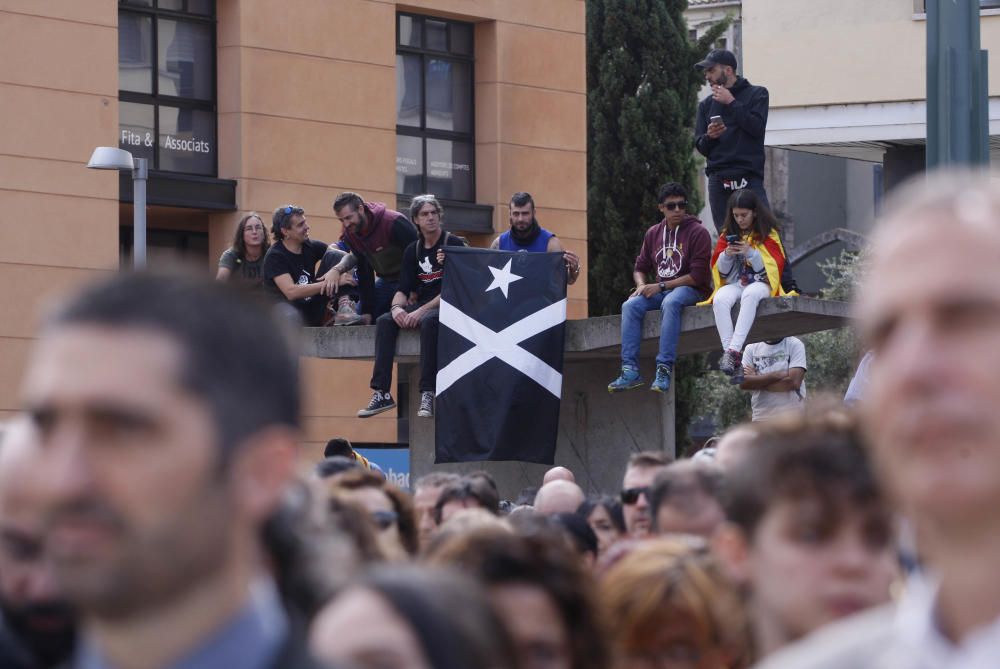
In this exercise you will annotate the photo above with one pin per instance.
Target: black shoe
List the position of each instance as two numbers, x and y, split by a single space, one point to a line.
730 362
426 409
380 402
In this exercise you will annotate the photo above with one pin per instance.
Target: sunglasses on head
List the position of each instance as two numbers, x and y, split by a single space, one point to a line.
670 206
385 519
631 495
289 210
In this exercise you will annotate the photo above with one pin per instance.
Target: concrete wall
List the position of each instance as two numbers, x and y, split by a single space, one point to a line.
58 100
844 51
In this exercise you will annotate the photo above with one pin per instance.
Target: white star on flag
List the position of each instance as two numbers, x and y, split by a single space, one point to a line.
502 278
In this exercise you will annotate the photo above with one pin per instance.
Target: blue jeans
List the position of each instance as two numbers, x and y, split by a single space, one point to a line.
671 303
382 296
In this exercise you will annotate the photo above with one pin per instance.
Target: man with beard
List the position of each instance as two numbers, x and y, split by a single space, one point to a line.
377 237
167 411
729 132
36 625
526 234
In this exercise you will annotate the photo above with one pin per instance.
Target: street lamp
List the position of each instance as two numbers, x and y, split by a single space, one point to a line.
112 158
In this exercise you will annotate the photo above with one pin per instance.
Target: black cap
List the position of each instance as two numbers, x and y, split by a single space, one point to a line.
718 57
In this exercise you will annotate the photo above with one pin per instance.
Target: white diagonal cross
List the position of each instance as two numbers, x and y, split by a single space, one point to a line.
502 345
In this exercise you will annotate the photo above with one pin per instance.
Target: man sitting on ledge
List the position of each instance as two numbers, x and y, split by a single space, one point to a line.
677 250
414 307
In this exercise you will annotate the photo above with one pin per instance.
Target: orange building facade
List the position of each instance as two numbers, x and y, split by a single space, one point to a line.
244 105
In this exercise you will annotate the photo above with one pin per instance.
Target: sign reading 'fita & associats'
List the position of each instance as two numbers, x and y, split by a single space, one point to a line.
192 145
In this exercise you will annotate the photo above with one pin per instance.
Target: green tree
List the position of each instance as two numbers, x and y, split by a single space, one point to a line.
641 101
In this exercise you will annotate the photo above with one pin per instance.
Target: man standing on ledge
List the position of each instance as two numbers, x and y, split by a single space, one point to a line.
678 251
377 237
729 132
526 234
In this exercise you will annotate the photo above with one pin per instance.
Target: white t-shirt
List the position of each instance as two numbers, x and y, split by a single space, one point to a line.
781 357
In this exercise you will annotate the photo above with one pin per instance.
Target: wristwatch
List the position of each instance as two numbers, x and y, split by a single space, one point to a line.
662 287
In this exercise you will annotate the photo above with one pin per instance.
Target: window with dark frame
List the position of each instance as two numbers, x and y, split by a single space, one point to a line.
167 84
435 137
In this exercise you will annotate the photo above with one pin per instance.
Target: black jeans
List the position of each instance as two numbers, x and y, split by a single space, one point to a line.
718 198
386 333
718 194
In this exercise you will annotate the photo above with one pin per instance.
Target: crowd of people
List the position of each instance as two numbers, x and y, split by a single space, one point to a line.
154 513
151 516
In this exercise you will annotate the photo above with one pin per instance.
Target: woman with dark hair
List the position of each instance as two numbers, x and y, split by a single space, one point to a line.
409 617
746 267
245 258
541 590
604 515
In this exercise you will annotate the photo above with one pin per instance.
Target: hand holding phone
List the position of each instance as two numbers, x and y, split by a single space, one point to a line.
715 127
732 239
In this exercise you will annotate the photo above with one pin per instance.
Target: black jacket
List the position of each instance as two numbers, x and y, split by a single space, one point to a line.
740 149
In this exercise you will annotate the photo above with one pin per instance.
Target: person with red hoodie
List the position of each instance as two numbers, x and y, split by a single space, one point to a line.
676 252
377 237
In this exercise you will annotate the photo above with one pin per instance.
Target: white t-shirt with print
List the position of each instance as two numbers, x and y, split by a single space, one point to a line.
781 357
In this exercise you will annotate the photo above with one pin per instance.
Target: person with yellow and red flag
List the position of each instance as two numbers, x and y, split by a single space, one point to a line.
746 267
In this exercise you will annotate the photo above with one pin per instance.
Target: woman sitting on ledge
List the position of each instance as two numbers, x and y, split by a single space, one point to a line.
746 267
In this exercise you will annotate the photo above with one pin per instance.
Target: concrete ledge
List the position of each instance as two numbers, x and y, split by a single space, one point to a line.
601 337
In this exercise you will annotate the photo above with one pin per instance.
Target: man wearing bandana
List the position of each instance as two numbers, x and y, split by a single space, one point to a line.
526 234
672 271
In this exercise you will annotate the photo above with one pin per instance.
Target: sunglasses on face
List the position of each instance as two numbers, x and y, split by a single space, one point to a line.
385 519
670 206
631 495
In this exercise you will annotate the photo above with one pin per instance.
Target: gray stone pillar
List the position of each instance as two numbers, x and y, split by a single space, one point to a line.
597 431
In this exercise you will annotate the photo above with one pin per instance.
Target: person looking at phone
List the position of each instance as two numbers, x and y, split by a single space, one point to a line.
675 253
746 268
729 132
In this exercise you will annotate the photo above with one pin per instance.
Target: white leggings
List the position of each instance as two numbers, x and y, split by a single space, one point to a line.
748 296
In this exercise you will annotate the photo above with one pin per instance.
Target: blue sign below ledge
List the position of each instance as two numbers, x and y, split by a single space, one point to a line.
395 463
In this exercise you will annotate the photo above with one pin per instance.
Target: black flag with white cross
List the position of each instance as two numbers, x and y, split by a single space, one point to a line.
500 356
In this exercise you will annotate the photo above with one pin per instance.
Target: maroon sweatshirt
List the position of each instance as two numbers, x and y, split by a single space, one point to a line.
668 254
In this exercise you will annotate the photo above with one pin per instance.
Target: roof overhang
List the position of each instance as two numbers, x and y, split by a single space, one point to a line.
860 131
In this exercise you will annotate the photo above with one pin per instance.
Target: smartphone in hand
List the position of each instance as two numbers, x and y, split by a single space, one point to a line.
715 119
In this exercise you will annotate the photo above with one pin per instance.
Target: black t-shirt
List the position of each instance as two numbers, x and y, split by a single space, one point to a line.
300 266
421 272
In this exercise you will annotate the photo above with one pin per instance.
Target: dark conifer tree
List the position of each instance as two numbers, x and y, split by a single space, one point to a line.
642 92
641 100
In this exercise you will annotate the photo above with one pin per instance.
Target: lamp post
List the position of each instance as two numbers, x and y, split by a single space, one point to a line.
111 158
